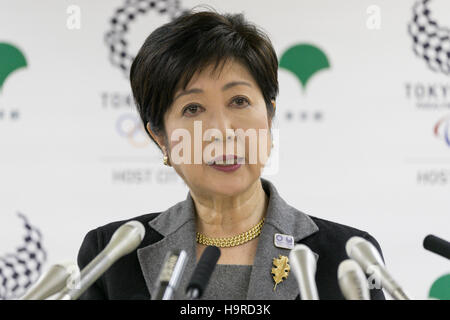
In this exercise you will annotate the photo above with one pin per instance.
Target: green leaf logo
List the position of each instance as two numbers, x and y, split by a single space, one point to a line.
11 59
441 288
304 61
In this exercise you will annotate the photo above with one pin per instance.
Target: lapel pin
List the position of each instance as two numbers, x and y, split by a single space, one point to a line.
284 241
281 269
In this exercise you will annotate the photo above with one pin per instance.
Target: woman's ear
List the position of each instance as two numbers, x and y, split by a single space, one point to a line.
158 138
274 105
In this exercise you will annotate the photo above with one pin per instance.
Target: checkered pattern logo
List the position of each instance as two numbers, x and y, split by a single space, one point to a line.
431 41
115 37
19 270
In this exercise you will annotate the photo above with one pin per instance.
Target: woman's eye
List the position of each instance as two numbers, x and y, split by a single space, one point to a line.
191 110
241 101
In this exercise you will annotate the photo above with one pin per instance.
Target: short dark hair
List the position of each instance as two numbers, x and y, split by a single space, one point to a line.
175 51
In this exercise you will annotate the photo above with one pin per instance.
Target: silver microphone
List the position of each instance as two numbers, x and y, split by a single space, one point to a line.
352 281
303 264
53 281
170 275
368 257
124 240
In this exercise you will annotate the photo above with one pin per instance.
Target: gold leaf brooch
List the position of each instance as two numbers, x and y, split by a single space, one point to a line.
281 270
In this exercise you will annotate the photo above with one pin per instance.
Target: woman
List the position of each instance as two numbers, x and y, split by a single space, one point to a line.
215 76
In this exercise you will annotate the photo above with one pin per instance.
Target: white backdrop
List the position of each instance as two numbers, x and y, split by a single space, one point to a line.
357 144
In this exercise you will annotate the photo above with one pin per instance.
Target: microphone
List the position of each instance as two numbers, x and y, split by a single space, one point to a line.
53 281
202 272
437 245
124 240
303 264
368 257
170 275
352 281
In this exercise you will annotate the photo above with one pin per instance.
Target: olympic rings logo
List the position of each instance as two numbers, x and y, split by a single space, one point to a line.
442 129
130 127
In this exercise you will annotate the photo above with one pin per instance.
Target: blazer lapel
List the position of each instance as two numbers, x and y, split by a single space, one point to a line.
285 219
177 225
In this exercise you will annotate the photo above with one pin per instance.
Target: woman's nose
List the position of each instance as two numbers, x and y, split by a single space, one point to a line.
220 122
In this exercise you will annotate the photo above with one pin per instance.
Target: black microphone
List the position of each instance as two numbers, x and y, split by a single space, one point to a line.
437 245
202 272
170 275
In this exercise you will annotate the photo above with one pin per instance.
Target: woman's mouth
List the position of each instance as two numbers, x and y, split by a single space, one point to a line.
226 160
226 163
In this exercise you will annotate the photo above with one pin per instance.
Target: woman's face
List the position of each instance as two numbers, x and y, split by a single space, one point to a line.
213 107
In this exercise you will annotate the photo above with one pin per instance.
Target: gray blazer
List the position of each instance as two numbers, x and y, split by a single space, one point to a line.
135 275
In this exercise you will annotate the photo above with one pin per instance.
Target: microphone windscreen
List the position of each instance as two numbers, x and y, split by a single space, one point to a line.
437 245
351 243
204 269
139 227
347 266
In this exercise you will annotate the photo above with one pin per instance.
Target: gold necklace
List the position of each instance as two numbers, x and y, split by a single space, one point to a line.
231 241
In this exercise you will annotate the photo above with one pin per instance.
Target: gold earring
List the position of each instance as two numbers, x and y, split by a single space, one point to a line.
166 160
